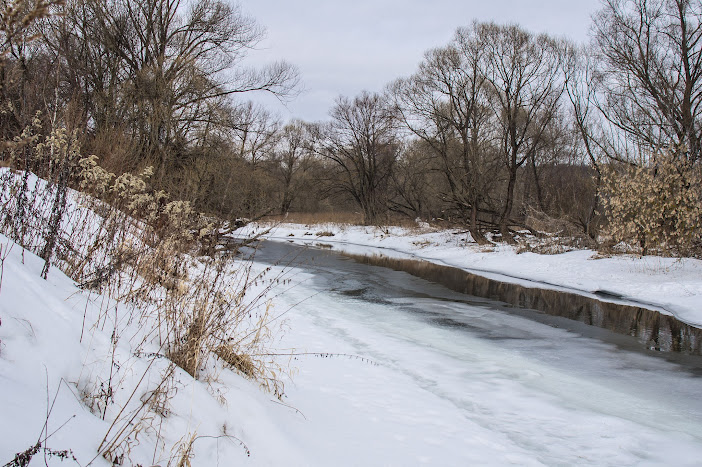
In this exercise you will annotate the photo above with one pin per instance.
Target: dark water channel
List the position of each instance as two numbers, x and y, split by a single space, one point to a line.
627 329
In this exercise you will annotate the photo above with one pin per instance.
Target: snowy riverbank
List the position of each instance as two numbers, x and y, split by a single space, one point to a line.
416 394
672 286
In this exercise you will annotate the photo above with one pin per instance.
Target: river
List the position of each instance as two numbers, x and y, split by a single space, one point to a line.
532 388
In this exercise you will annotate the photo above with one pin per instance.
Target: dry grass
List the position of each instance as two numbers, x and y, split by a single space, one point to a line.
310 218
542 222
342 218
141 252
554 235
237 360
185 451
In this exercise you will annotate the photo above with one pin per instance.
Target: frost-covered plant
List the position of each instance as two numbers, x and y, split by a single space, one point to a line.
657 205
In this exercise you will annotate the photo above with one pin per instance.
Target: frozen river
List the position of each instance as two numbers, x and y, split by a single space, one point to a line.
464 381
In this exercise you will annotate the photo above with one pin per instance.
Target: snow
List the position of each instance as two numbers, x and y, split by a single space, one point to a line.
416 396
371 383
669 285
42 358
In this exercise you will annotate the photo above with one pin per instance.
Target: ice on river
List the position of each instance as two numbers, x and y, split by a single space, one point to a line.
461 383
670 285
451 380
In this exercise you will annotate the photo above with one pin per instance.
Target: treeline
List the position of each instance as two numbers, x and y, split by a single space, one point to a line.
142 83
500 130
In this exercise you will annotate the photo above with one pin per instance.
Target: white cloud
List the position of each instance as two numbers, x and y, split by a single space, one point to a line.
345 47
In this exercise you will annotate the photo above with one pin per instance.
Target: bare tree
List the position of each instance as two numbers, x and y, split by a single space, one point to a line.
651 71
416 182
250 133
165 68
255 132
523 71
362 143
596 143
291 157
445 105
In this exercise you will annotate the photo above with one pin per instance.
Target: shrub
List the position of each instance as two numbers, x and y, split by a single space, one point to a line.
657 205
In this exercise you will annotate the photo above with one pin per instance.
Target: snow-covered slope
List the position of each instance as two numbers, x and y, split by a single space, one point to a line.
82 380
428 396
56 358
673 286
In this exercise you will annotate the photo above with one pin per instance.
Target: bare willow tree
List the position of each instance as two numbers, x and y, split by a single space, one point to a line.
163 68
444 104
417 185
362 142
597 138
523 71
255 132
651 72
290 159
253 135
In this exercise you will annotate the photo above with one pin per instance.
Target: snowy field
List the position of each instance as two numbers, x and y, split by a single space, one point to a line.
672 286
395 390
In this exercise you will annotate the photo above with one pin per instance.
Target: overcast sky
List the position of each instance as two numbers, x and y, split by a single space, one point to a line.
342 47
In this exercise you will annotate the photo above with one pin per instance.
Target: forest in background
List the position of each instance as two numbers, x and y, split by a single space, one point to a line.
143 107
499 131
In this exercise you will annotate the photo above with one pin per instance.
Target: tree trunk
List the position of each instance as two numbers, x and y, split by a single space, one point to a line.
537 184
474 230
507 212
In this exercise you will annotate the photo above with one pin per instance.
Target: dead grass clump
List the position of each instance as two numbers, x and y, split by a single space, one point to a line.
553 235
542 223
422 243
339 218
554 245
237 360
185 451
188 354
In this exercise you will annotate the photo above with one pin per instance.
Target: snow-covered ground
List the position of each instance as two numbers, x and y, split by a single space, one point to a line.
672 286
374 382
56 360
419 394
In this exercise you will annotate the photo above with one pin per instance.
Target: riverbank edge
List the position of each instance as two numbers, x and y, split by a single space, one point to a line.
653 326
655 330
